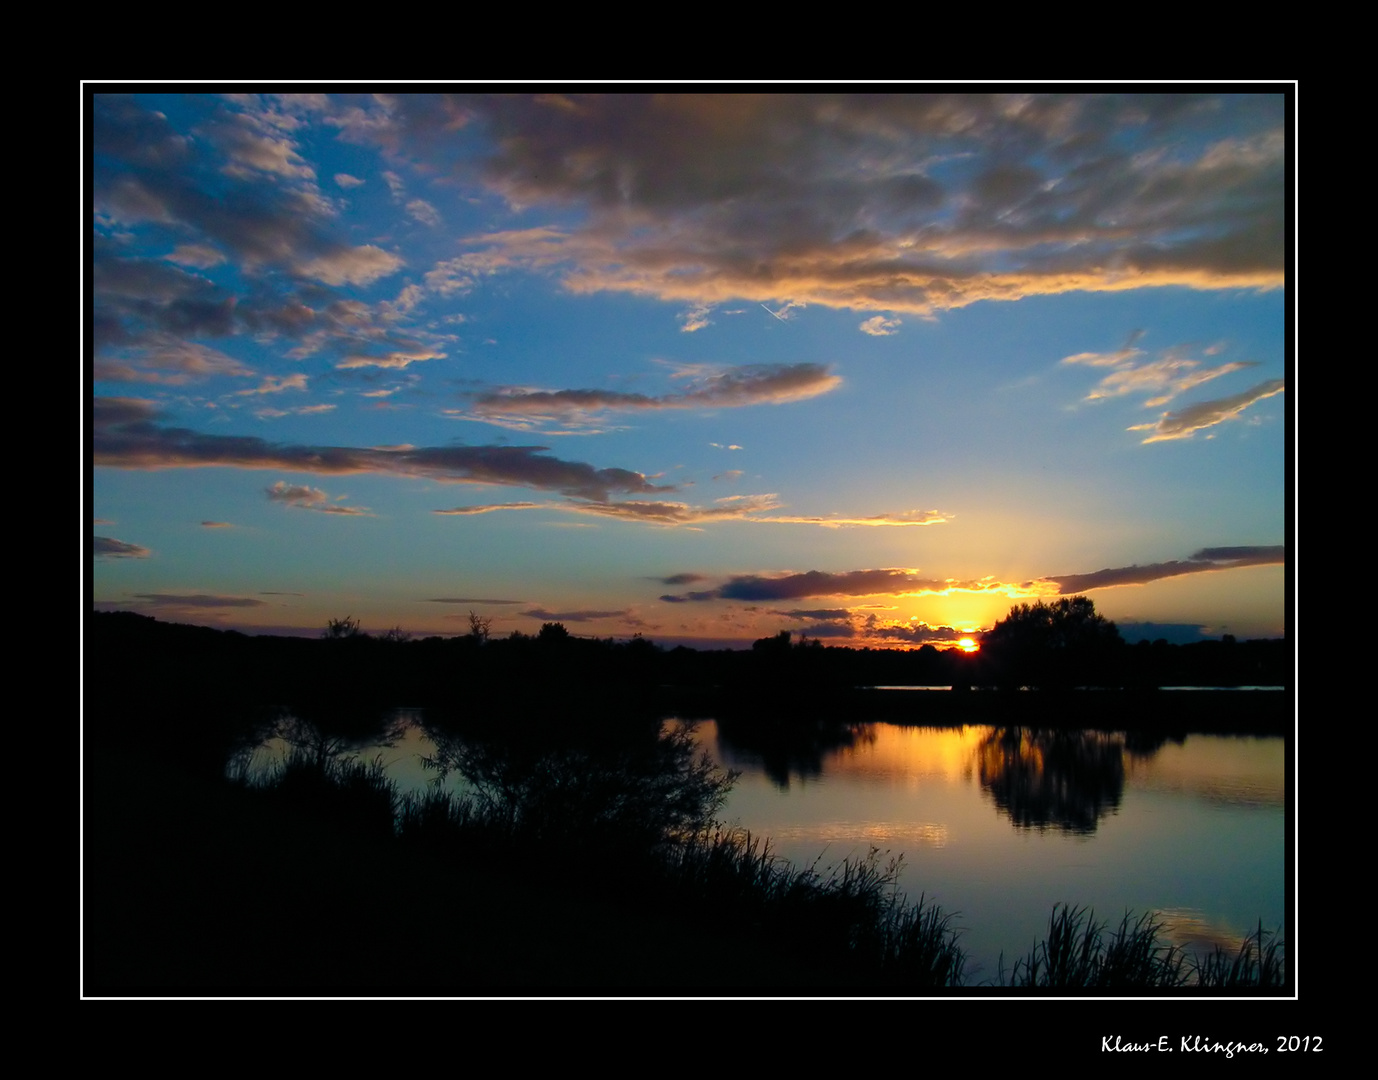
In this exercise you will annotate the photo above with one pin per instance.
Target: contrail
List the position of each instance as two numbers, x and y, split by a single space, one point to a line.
777 315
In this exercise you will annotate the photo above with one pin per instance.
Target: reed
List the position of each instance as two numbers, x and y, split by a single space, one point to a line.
349 794
1079 953
1258 964
851 918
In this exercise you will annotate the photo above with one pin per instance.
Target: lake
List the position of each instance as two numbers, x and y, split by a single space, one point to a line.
1000 824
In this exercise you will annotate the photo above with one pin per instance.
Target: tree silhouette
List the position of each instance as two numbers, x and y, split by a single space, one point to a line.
480 626
338 629
1053 646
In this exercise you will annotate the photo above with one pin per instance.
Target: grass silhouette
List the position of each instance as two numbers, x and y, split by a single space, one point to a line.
1080 953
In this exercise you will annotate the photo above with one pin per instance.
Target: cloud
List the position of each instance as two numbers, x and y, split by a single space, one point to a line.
216 525
733 508
347 181
1184 423
201 256
681 579
1166 377
696 318
162 358
235 190
267 412
1171 374
902 582
196 600
352 266
736 387
253 142
424 212
274 385
895 203
814 613
786 312
880 326
109 548
257 202
748 508
127 436
575 616
1205 560
488 508
916 633
470 600
913 517
396 359
818 583
309 498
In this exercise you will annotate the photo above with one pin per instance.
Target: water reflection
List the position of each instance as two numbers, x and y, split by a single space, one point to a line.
998 823
782 747
1002 823
1038 779
1065 780
324 734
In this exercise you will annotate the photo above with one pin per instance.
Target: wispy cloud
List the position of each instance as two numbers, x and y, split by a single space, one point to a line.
880 326
764 384
423 212
696 318
488 508
162 358
1165 378
901 582
107 547
470 600
757 509
269 412
1203 561
276 385
682 579
309 498
1185 423
911 518
578 616
196 600
128 436
397 358
732 508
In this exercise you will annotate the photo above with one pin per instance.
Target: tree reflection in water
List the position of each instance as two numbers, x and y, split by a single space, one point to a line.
1045 779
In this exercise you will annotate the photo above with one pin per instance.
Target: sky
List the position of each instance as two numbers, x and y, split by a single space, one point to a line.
701 367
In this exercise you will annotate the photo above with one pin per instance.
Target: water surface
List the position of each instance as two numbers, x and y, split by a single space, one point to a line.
1001 824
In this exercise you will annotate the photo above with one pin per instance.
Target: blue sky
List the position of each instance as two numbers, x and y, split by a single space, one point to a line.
697 366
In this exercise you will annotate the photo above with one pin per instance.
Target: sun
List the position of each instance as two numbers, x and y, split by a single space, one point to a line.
968 645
